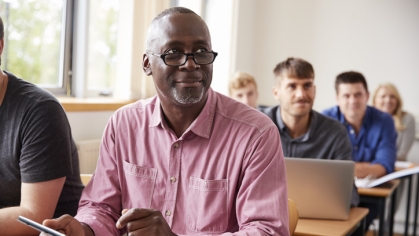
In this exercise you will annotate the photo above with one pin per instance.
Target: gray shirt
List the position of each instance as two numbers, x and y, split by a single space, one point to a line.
326 138
406 137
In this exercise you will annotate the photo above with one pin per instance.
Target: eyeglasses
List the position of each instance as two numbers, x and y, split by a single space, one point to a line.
179 59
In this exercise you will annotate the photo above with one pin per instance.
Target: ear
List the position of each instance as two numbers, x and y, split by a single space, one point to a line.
146 65
275 92
314 87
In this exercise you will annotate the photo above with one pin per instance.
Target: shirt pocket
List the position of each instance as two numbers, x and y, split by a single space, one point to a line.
137 187
207 210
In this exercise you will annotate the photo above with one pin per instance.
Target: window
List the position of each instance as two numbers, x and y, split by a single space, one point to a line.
35 37
39 43
101 48
81 48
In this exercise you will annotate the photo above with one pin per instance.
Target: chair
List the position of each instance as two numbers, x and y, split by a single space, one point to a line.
85 178
293 215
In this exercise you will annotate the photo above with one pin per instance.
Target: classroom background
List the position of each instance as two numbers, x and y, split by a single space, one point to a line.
378 38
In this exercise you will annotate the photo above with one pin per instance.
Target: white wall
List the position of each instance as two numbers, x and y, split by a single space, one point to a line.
377 38
88 125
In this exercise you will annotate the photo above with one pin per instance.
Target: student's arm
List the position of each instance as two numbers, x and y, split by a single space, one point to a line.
386 151
363 169
38 202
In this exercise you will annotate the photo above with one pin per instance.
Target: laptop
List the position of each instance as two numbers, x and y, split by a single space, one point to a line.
322 189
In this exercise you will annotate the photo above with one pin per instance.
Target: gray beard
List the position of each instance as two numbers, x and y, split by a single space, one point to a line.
188 97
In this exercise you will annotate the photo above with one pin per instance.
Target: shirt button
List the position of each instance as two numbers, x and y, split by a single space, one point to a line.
172 179
355 148
168 213
176 145
352 131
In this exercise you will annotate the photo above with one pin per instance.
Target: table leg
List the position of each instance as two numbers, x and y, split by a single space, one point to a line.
360 229
381 216
409 190
415 225
392 208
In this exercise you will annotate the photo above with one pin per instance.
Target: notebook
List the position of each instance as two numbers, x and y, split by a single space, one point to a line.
322 189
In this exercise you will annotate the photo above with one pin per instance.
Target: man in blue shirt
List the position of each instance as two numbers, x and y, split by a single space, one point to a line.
372 132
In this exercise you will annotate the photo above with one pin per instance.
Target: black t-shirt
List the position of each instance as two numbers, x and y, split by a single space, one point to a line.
36 145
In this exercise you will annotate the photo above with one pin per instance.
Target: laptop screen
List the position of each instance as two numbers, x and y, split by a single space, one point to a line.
321 189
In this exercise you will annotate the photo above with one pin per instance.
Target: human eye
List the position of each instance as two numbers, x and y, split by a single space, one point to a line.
201 50
308 85
291 86
172 51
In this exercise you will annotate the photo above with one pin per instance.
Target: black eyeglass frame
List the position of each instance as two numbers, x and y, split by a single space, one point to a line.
163 57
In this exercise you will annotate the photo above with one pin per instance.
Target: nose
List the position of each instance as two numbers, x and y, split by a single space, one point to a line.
245 100
190 64
299 92
353 99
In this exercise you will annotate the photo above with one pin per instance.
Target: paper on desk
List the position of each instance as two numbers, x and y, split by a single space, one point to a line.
403 164
369 183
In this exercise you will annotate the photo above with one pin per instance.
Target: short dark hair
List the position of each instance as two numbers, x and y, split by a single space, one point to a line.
295 68
172 10
350 77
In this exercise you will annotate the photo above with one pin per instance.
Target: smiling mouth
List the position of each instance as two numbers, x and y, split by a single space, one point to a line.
190 83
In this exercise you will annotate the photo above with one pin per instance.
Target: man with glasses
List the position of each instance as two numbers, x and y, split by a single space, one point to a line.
188 161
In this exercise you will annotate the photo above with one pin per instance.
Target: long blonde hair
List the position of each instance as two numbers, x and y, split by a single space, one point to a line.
398 113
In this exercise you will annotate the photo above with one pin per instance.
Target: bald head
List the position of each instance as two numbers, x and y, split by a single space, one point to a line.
165 18
173 10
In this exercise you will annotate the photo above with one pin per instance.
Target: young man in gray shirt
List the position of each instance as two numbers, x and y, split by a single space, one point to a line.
305 132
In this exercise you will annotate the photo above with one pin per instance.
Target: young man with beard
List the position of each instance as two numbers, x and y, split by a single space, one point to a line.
304 132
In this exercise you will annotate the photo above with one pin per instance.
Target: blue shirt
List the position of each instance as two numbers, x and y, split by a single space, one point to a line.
376 141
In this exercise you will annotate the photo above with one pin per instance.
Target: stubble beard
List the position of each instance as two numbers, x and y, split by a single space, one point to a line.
188 96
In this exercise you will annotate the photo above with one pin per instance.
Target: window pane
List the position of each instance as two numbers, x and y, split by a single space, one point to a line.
102 41
33 40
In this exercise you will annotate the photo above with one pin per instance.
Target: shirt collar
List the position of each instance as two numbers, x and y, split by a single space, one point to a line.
283 128
342 119
201 126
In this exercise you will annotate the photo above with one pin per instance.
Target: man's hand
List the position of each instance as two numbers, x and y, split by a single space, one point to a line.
67 225
140 221
363 169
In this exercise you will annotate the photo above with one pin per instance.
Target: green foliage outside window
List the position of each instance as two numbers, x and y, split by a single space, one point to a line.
33 40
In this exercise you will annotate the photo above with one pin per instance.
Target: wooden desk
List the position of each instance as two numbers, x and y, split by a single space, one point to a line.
333 227
379 194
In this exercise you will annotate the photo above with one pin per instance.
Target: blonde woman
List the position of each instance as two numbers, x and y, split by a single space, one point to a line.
387 99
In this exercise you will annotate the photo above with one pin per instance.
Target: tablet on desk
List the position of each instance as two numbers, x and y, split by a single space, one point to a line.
39 227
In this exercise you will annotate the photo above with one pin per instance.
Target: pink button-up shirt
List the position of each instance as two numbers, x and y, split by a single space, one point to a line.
224 176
